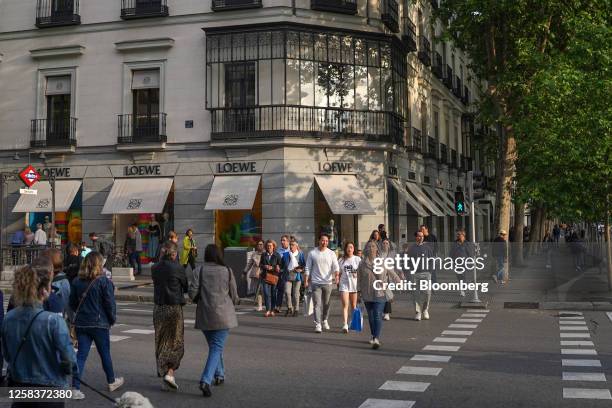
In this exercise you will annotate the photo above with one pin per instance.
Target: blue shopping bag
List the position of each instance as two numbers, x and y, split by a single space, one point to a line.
356 320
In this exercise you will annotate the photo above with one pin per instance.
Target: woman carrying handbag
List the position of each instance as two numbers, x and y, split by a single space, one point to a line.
252 272
293 263
270 266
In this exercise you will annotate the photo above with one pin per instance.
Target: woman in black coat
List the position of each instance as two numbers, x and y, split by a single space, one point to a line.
270 265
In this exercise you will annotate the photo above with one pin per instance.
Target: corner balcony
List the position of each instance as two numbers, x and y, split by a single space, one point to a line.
389 15
142 130
223 5
133 9
57 134
335 6
57 13
262 123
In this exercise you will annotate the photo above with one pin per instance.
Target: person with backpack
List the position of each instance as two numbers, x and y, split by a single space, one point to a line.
36 343
93 300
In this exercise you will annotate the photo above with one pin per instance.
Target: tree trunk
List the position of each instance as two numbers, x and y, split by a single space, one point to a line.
608 249
505 173
519 224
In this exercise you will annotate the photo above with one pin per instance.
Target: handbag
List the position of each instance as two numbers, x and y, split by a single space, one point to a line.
357 320
271 278
72 327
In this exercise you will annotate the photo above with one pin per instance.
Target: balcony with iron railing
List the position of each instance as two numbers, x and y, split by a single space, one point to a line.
437 66
454 160
148 128
458 88
261 123
390 14
132 9
56 132
448 77
335 6
409 34
56 13
416 141
424 50
222 5
443 159
466 96
432 148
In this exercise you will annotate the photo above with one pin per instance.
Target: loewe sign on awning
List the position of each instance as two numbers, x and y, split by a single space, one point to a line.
236 167
145 170
55 172
335 167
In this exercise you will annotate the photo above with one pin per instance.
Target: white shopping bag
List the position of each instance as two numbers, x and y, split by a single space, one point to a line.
308 304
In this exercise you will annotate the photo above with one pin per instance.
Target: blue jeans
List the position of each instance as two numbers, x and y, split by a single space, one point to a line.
101 337
375 312
500 269
280 293
269 293
214 363
134 259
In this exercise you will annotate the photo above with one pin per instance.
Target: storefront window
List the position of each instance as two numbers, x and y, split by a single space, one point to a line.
239 228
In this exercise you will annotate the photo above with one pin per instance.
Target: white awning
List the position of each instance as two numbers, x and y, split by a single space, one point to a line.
145 79
423 200
58 85
233 193
344 195
138 196
65 191
401 191
436 199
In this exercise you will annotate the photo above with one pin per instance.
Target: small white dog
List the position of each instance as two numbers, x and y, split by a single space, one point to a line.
133 400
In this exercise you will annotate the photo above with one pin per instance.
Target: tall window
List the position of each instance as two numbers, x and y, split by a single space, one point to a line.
240 85
58 108
145 109
62 8
436 124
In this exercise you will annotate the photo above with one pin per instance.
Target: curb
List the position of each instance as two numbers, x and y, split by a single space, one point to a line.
593 306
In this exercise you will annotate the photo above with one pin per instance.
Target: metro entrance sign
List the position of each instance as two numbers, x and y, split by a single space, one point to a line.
29 176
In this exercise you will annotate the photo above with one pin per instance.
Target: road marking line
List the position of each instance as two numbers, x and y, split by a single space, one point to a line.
136 310
565 313
462 326
478 311
609 315
571 376
125 303
574 328
138 331
431 357
583 352
419 370
468 320
587 393
575 335
241 313
571 318
189 321
449 340
458 332
409 386
441 348
580 363
386 403
114 339
577 343
574 322
480 316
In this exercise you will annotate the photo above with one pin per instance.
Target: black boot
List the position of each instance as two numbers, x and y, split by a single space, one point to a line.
205 388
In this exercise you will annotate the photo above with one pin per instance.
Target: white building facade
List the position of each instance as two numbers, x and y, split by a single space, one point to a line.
240 119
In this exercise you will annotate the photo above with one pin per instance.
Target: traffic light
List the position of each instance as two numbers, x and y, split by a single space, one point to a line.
459 203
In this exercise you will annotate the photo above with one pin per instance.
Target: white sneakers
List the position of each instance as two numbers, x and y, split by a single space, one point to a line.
418 317
77 395
116 385
386 316
325 325
170 382
425 315
318 328
345 329
375 344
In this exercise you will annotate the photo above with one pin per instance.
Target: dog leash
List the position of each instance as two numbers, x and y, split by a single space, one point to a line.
99 392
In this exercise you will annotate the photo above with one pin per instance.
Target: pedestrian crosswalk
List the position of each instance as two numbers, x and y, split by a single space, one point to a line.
450 341
569 324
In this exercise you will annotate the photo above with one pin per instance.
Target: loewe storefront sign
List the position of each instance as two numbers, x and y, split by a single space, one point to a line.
146 170
335 167
236 167
55 172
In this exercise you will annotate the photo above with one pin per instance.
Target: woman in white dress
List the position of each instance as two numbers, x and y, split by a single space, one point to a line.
348 281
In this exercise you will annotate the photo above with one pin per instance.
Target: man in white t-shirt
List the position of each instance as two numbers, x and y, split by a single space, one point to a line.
320 274
40 236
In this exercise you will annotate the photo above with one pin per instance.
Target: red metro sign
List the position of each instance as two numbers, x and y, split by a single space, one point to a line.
29 176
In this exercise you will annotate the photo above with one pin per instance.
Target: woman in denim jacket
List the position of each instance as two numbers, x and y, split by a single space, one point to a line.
92 299
46 357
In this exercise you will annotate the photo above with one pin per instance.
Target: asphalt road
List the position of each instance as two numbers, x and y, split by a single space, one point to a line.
503 358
